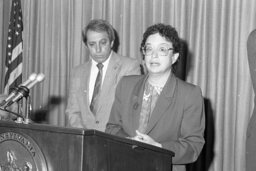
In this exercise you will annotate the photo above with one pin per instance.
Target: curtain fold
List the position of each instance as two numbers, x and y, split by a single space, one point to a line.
214 35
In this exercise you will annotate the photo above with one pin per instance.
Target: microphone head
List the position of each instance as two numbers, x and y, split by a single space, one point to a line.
40 77
32 77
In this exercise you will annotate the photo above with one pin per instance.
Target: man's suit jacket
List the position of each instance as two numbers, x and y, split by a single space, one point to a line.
177 121
251 129
78 112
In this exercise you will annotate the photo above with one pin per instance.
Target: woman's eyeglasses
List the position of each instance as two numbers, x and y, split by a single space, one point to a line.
161 51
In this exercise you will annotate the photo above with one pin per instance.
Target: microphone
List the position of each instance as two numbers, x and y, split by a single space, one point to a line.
31 78
23 91
40 77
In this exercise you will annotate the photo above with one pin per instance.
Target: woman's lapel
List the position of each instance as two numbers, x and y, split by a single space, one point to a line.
163 103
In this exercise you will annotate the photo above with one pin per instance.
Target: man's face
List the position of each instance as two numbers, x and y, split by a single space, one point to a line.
99 45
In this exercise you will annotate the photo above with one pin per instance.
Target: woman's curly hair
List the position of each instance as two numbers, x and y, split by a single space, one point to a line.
166 31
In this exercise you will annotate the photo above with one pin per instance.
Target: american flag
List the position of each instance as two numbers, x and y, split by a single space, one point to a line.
13 63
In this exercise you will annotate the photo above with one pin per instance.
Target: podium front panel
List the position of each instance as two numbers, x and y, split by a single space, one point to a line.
114 154
52 148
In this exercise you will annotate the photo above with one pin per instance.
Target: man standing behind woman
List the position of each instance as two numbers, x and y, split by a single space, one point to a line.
158 108
93 84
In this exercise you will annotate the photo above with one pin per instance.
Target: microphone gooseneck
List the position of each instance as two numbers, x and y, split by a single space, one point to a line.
22 92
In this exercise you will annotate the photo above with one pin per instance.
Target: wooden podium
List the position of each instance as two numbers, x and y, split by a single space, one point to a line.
50 148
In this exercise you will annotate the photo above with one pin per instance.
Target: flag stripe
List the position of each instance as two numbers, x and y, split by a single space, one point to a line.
13 71
16 51
13 84
16 62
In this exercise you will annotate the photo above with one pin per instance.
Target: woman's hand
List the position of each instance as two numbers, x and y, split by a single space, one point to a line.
145 139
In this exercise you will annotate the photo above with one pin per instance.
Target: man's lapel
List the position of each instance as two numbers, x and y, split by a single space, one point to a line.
83 94
86 76
111 77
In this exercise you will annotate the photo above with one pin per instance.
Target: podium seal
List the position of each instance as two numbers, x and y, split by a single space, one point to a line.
20 153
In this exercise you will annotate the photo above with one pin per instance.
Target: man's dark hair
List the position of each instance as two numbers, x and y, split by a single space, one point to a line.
99 25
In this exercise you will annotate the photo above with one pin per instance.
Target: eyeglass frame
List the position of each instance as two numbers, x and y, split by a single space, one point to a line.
152 51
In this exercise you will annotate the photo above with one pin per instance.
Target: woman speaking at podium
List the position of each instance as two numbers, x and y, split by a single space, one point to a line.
158 108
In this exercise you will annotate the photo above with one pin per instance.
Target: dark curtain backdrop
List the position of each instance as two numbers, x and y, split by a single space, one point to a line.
214 56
